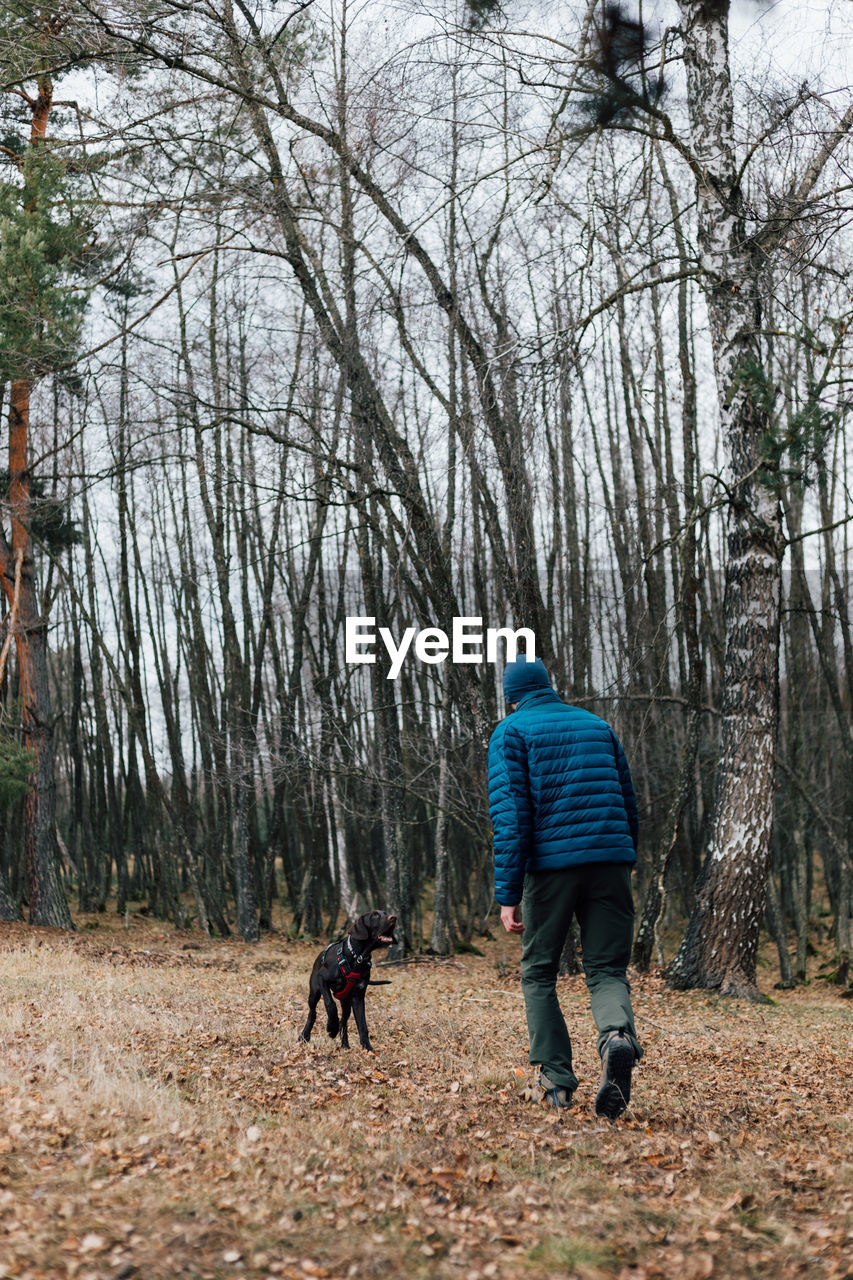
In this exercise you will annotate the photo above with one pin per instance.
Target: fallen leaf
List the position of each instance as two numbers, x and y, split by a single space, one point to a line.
92 1243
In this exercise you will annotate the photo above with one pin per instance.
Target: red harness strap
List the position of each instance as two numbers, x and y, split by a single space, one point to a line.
350 974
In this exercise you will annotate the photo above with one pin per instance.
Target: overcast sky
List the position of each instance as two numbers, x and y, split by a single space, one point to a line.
808 39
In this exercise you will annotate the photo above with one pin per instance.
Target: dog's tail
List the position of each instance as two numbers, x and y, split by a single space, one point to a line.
379 982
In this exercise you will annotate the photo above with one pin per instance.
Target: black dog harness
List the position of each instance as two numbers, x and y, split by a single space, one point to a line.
353 968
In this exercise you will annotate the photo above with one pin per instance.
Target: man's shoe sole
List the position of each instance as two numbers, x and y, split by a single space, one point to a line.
615 1094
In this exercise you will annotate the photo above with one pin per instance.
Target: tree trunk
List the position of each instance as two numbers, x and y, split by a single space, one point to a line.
44 889
776 926
647 937
721 942
8 906
720 945
441 941
570 958
247 912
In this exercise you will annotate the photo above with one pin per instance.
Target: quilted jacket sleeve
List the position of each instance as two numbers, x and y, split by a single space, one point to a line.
627 792
510 810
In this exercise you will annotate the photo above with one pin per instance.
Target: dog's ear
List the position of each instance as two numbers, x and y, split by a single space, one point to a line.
360 930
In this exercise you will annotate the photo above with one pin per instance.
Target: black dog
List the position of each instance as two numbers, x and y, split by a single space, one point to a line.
342 972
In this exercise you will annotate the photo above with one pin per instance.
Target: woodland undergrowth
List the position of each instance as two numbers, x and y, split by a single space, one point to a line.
160 1118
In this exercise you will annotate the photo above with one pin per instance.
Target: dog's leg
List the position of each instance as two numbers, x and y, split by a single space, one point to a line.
313 998
332 1021
346 1006
361 1020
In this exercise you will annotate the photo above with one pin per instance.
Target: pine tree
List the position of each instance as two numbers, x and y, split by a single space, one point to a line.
43 248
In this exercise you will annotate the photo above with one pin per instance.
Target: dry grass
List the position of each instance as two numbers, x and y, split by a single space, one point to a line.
160 1119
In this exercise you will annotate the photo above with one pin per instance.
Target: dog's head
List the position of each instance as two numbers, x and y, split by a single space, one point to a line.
374 929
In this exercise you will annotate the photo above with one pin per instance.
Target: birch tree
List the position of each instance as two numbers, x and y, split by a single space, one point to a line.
736 249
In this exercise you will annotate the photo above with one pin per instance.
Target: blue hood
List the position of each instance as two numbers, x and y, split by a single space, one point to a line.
522 677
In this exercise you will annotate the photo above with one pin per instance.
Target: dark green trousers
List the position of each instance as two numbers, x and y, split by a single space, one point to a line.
599 894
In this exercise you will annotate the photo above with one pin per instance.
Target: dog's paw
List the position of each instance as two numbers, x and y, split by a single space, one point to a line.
333 1026
303 1038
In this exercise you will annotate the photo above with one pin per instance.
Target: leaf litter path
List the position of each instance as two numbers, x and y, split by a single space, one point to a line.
160 1119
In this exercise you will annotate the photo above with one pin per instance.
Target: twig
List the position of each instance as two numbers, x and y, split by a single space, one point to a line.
13 614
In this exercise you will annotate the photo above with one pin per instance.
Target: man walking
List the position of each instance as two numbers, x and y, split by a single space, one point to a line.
565 825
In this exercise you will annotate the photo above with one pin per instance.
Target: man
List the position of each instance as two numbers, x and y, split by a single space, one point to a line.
565 825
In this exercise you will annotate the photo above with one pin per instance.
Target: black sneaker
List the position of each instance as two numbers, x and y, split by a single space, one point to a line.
617 1062
554 1095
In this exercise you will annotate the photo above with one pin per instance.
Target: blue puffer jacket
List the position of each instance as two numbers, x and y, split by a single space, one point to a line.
560 792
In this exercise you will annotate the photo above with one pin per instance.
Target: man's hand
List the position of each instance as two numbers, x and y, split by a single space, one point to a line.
511 919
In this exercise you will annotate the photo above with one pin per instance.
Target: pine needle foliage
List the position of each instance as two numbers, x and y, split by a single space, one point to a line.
48 520
43 246
16 766
793 445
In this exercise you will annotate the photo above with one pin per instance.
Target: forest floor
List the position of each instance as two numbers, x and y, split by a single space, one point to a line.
160 1119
